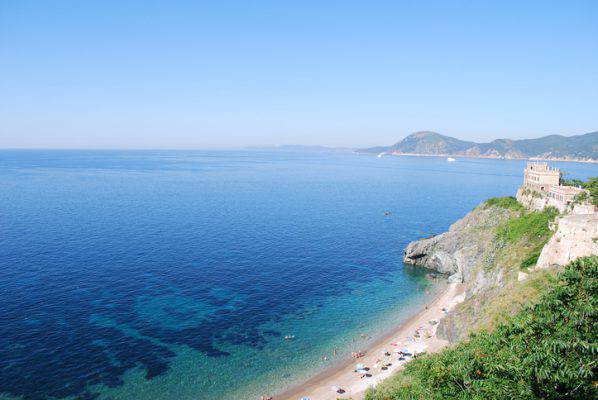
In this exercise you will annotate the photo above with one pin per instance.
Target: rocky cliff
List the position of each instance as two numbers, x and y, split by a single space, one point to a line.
461 251
493 251
531 199
575 236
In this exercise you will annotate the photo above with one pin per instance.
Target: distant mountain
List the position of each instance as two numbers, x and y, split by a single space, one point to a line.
580 147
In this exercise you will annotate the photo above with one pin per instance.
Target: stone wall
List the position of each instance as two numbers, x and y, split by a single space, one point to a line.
575 236
535 200
531 199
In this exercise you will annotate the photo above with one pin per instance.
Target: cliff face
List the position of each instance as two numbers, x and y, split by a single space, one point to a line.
463 249
479 251
531 200
576 236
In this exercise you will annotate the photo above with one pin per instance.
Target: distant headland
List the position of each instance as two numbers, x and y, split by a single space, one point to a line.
581 148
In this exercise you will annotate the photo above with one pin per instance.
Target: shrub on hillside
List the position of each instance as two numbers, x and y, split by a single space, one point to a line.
546 351
591 185
528 225
510 203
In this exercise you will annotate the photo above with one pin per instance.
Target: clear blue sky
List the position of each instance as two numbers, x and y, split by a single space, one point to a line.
178 74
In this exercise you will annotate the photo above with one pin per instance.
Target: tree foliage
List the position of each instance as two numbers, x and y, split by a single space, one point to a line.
591 185
546 351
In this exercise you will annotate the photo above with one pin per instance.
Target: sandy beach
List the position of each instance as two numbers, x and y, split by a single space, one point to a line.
345 376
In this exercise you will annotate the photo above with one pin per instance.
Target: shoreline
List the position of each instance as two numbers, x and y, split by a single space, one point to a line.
343 375
554 159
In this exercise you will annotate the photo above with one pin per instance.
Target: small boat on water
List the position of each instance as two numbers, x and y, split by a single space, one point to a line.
450 159
380 155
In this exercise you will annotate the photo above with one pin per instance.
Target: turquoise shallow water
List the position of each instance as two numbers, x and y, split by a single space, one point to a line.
172 274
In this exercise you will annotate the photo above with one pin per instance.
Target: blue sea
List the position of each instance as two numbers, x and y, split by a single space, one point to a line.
177 274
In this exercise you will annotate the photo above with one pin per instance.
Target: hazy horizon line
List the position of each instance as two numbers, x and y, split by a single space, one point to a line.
262 146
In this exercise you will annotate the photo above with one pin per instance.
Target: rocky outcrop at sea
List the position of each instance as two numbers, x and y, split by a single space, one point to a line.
491 268
459 251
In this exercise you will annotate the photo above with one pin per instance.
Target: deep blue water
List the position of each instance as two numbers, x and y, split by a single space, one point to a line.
176 274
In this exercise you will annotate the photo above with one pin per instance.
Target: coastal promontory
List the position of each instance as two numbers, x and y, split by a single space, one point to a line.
527 326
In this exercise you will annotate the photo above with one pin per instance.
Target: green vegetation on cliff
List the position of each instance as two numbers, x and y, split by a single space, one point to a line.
528 225
509 203
545 351
526 230
496 293
591 185
489 247
531 227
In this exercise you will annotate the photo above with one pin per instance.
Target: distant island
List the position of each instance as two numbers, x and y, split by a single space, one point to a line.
554 147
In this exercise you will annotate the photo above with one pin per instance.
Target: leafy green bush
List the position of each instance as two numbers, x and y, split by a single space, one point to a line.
546 351
510 203
581 198
592 186
572 182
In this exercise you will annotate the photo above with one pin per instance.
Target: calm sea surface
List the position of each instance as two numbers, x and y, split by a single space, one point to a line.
177 274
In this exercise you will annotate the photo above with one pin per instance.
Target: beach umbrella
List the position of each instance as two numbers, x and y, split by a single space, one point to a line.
396 351
304 398
359 366
405 350
362 371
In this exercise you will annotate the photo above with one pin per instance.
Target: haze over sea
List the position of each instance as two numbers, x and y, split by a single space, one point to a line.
177 274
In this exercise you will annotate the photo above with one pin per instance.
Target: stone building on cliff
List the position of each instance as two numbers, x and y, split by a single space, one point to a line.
542 187
539 176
